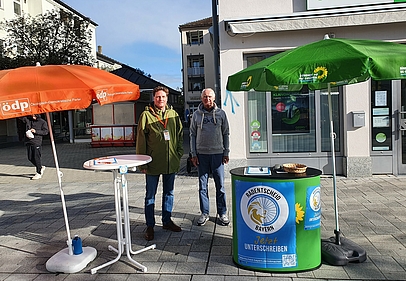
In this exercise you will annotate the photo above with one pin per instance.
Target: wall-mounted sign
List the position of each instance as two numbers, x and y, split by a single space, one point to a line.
381 98
322 4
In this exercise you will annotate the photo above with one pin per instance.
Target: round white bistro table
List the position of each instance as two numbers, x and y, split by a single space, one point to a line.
119 165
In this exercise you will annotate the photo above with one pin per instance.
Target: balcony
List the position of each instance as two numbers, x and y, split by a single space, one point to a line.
195 71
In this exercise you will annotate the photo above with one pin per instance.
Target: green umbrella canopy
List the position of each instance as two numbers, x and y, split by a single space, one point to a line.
335 61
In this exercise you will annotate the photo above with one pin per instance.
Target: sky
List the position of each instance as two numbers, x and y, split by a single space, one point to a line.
144 34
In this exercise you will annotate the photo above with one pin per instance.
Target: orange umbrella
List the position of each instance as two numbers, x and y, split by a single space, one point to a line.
43 89
40 89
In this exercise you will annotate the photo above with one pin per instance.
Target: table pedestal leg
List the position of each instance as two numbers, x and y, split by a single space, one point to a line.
122 213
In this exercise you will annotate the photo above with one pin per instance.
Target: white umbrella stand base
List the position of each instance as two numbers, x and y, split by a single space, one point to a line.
62 262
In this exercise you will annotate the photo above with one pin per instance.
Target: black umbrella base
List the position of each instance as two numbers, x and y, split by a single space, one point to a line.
343 253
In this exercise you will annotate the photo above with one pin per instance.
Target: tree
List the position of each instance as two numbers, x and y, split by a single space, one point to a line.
142 72
56 37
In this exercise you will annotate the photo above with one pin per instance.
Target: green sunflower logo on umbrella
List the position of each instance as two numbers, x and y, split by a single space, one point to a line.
321 72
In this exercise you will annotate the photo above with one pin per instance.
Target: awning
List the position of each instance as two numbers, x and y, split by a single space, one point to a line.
313 20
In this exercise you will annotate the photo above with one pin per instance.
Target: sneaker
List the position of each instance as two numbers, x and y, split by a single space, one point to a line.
224 219
149 234
42 170
172 227
36 177
203 219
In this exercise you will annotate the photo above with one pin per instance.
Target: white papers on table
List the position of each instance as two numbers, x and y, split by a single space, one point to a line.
251 170
105 160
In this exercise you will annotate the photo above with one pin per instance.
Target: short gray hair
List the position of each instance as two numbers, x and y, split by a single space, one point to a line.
208 90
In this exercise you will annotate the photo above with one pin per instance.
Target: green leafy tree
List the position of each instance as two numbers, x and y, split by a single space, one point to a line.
57 37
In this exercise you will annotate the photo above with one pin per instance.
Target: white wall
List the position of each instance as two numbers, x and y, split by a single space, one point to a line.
357 98
253 8
238 145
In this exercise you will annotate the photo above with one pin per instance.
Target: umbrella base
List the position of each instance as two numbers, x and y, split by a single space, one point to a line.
343 253
62 262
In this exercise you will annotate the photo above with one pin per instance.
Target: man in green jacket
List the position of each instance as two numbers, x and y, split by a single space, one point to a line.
160 135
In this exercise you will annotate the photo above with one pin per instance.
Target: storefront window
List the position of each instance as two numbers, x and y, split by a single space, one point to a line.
297 124
381 115
293 122
257 118
83 120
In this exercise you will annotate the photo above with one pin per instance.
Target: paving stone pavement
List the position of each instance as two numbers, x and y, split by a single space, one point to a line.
372 213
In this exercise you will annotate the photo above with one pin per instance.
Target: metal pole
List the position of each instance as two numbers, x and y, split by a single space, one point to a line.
59 175
332 137
216 52
71 131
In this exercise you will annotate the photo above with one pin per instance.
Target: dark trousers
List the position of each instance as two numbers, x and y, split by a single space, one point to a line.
34 156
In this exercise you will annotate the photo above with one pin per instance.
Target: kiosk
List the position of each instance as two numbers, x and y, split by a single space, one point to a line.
276 220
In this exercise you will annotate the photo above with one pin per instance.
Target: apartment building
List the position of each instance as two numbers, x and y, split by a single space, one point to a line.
197 61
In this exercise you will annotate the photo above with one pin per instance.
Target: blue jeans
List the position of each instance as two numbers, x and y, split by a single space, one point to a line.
167 198
211 163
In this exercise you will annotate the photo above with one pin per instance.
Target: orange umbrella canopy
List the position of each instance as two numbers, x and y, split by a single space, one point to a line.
39 89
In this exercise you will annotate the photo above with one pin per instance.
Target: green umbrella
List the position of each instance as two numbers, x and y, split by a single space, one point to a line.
334 61
320 65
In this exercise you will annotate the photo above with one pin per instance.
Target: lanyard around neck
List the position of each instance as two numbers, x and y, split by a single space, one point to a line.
159 118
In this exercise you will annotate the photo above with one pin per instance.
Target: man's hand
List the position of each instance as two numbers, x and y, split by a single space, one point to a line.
225 159
195 161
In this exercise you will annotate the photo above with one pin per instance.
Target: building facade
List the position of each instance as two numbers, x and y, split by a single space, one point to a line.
197 61
251 31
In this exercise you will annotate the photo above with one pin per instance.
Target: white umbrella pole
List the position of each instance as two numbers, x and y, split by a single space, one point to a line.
58 172
332 137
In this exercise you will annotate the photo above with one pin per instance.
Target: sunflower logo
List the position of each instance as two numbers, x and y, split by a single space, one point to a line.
246 84
321 72
249 80
299 213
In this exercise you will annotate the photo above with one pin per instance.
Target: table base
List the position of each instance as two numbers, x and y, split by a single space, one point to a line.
122 218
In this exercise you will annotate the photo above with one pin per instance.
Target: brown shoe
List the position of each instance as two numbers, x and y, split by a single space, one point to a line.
149 233
172 227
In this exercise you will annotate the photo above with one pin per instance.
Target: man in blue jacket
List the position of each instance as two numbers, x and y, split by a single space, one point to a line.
36 128
209 145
